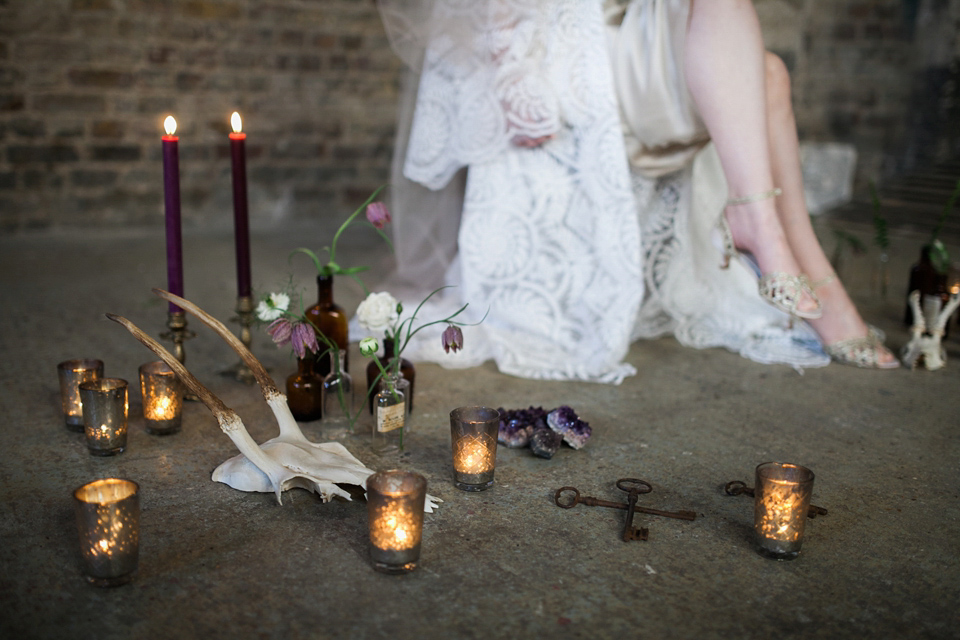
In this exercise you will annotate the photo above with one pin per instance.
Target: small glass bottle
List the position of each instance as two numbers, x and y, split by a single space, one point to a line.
305 391
389 428
338 391
407 370
331 319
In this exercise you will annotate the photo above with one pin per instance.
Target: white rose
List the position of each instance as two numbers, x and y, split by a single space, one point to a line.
377 312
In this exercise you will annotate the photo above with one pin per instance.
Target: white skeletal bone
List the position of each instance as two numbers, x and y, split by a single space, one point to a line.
925 345
281 463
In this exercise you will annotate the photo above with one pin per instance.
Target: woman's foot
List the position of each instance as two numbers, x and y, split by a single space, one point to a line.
755 229
845 335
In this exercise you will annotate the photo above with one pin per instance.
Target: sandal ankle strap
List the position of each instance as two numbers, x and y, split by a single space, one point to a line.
827 279
756 197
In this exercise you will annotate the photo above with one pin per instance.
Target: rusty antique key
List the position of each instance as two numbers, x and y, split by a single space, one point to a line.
634 488
589 501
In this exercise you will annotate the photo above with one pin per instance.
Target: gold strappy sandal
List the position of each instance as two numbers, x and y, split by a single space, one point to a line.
863 352
783 290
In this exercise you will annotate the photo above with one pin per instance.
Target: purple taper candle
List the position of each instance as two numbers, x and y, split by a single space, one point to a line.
171 200
241 219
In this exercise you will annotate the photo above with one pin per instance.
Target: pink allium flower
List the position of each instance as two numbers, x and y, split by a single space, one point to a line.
280 330
378 215
452 339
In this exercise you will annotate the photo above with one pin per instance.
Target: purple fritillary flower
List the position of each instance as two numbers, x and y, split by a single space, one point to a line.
452 339
303 338
378 215
280 330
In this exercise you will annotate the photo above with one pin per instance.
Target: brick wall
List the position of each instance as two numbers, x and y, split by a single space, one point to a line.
86 84
872 73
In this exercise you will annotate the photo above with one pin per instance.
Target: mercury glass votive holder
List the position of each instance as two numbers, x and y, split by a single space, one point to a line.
71 374
108 521
781 501
473 433
162 393
395 501
105 409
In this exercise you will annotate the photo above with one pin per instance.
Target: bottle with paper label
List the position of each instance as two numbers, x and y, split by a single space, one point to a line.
390 426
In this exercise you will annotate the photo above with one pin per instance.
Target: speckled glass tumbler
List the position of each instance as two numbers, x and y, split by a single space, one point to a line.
71 374
781 502
162 394
473 435
108 521
105 409
395 501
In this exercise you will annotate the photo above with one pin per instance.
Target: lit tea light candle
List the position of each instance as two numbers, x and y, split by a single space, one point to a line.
781 503
473 433
473 457
108 521
395 501
162 394
106 406
71 374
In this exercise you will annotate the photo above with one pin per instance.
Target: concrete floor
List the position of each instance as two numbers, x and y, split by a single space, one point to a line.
218 563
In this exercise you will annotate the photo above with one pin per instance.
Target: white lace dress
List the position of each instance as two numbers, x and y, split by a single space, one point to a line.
549 237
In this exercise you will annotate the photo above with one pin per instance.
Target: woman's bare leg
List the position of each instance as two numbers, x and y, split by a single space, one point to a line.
840 320
724 63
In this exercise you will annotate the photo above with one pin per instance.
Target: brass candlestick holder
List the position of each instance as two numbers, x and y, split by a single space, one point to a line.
178 333
240 371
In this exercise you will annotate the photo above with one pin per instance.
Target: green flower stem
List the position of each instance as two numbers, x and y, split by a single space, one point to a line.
346 223
331 268
340 397
383 372
410 331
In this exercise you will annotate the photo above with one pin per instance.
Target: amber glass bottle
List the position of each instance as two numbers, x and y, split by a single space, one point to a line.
407 371
331 319
305 391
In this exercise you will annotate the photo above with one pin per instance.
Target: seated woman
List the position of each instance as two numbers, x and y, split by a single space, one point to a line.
579 133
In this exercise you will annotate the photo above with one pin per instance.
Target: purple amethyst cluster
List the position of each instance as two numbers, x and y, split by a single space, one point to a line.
542 431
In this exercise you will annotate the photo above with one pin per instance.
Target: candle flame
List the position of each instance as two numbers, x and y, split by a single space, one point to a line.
236 123
170 125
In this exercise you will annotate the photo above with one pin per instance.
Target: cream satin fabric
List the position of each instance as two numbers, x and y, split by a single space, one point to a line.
661 127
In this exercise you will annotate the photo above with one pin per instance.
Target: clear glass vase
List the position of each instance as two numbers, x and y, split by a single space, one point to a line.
338 395
407 370
390 425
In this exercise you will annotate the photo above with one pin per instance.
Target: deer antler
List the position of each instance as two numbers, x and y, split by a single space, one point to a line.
227 418
945 313
919 325
289 429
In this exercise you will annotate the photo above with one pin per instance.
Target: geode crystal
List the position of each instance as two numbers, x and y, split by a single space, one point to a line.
545 442
564 421
517 425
